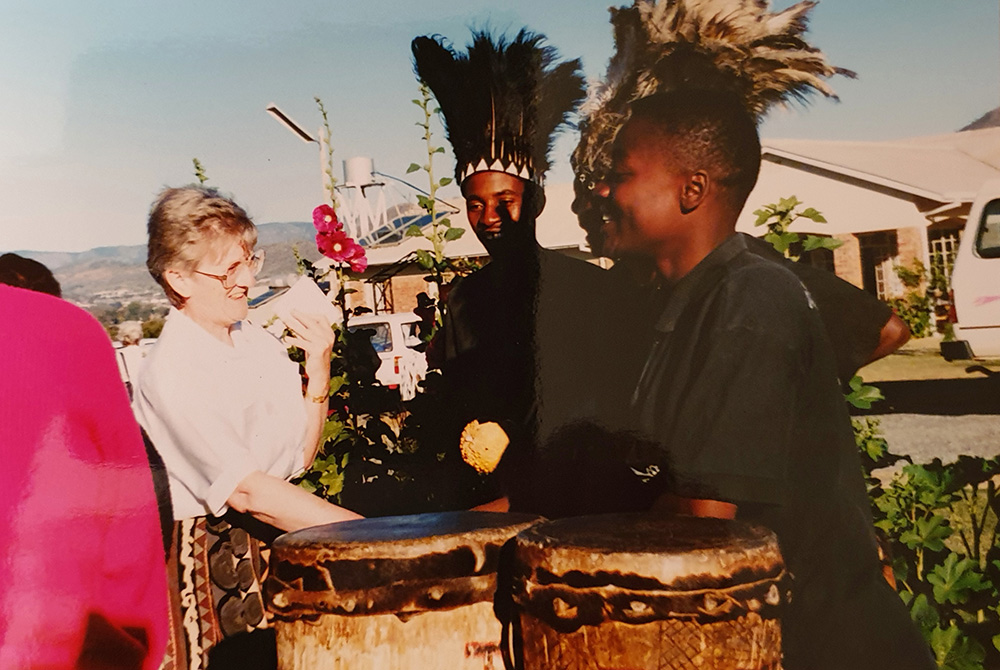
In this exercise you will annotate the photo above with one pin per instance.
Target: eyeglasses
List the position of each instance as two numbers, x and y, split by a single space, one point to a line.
253 264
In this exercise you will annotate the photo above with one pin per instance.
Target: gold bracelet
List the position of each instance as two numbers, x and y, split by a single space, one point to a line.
318 399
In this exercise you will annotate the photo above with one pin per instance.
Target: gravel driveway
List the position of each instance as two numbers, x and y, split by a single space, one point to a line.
924 437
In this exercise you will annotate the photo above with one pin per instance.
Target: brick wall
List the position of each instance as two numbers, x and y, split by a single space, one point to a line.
847 260
405 289
912 242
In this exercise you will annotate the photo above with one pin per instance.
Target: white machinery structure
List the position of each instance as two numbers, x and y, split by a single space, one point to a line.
375 208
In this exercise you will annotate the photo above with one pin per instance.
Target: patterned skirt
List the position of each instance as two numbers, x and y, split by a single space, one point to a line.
217 619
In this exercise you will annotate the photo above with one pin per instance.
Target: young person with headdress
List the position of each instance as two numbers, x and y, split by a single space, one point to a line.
762 57
518 334
737 397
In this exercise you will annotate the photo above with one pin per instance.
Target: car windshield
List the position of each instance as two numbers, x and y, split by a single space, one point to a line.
381 339
410 338
988 240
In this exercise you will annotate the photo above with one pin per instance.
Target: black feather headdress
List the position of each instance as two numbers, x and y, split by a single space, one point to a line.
737 45
502 101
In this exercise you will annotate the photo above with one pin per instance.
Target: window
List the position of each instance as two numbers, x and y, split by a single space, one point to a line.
879 253
943 249
410 337
988 237
381 337
382 290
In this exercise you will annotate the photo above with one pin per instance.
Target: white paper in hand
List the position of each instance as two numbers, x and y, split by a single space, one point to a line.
305 297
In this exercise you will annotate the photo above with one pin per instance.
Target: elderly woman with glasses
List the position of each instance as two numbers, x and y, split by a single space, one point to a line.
225 409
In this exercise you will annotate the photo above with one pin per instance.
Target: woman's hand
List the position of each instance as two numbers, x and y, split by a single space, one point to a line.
316 338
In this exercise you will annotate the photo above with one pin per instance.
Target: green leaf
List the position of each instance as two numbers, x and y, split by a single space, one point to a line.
333 480
955 580
445 181
819 242
929 533
308 486
762 216
337 383
416 102
862 395
776 241
425 202
413 168
954 651
424 259
924 613
414 231
788 204
811 213
996 641
439 150
453 233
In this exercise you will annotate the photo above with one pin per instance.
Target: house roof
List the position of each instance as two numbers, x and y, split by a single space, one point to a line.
945 168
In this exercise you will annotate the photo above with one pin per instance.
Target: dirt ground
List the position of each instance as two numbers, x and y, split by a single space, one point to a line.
921 359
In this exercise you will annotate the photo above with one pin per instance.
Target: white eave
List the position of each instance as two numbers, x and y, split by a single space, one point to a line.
941 168
886 182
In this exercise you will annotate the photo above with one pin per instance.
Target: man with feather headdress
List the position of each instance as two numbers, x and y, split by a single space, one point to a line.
763 57
517 334
737 398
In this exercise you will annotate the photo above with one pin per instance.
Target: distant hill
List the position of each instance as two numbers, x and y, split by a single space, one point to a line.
118 274
990 119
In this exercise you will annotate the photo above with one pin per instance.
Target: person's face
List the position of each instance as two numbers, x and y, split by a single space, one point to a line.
588 206
485 194
642 194
209 302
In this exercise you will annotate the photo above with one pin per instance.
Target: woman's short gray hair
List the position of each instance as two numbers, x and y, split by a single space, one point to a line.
183 222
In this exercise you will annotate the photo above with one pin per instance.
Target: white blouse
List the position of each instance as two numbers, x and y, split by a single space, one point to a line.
217 413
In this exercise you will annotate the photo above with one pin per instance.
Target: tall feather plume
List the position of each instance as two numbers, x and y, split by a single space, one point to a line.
739 45
502 101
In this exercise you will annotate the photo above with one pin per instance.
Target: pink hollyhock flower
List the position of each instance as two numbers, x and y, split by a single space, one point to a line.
358 259
325 219
333 244
338 246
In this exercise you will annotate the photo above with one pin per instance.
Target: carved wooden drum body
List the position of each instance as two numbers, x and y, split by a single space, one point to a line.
629 592
403 592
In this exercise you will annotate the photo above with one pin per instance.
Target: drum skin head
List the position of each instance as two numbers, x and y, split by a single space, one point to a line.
640 568
400 565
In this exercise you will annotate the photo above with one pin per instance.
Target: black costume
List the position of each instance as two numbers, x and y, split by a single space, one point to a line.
518 335
853 318
739 401
522 346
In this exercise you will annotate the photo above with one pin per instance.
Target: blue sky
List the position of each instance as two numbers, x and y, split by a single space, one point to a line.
107 101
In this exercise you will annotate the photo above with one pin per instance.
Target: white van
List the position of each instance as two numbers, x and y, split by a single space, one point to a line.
394 338
975 281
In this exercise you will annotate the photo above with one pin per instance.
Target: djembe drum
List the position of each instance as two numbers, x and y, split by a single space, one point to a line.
632 592
389 593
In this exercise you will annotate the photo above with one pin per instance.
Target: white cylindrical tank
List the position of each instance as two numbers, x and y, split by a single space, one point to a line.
359 171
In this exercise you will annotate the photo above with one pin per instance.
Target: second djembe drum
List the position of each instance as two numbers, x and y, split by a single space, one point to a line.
406 593
632 592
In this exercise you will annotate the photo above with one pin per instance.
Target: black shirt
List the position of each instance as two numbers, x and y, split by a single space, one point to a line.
519 341
739 401
853 318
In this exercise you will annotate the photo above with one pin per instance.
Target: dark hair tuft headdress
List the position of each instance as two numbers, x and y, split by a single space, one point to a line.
501 101
735 45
